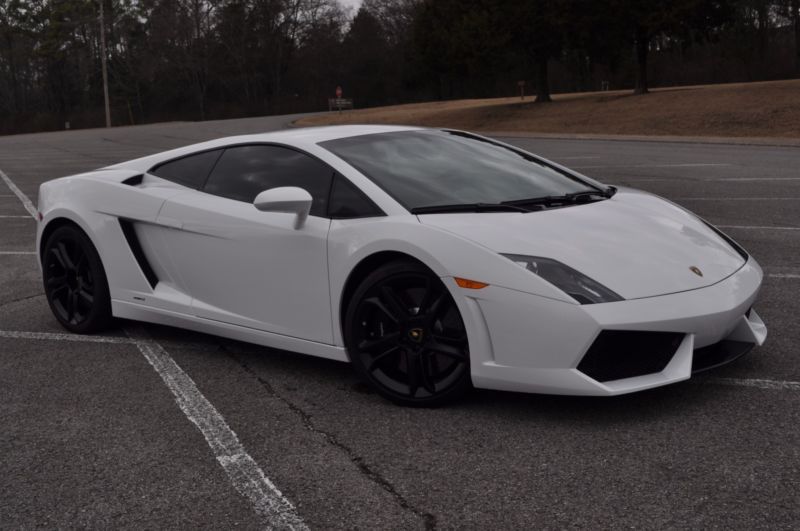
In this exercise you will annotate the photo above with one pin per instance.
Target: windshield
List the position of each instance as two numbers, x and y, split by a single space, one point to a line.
429 168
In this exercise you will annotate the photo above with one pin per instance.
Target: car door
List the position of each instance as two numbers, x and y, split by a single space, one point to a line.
252 268
146 239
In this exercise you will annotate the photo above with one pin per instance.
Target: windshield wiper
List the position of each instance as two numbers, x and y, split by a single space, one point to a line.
470 207
584 196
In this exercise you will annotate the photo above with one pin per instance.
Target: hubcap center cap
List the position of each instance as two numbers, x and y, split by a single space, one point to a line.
416 335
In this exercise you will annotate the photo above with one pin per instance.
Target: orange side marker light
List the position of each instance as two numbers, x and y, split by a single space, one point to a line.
470 284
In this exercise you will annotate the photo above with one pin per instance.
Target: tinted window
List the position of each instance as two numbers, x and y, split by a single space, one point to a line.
244 172
428 168
190 171
347 201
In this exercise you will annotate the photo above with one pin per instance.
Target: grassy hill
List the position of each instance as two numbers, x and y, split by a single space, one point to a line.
764 109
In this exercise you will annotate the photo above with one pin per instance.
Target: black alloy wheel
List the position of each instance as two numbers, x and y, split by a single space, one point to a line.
405 336
75 282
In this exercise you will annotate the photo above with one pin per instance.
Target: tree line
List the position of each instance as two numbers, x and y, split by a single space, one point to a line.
205 59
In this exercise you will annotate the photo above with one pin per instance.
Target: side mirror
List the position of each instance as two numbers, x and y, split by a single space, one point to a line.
287 199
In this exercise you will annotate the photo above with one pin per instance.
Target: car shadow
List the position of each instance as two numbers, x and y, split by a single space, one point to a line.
301 374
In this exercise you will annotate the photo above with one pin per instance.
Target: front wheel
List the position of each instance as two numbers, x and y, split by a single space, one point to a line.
75 281
405 336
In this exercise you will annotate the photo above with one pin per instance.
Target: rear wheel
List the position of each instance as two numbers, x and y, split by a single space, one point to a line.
406 337
75 281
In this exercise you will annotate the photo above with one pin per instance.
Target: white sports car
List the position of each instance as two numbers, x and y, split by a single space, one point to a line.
432 260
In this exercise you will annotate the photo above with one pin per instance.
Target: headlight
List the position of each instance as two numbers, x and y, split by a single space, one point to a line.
574 283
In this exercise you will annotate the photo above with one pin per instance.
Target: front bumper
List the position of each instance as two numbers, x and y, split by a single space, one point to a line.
523 342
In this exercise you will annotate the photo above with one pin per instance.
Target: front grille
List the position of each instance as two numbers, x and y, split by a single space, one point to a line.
718 354
618 354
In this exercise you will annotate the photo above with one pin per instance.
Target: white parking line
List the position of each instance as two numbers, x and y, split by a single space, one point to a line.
243 472
16 252
750 179
16 217
760 384
716 180
22 197
687 165
736 198
756 227
784 275
16 334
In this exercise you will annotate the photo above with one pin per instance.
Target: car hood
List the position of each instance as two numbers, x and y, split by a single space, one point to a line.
635 243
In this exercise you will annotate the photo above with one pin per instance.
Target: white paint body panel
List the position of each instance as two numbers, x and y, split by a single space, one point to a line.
636 244
228 269
251 268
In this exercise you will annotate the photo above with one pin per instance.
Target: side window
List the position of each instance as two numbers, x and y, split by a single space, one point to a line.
347 201
191 171
245 171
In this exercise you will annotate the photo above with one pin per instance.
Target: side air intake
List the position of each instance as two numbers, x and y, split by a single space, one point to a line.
136 180
138 253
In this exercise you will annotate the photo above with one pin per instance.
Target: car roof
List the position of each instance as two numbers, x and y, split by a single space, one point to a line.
332 132
301 136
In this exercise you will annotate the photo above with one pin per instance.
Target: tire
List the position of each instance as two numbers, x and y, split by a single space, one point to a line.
75 282
406 337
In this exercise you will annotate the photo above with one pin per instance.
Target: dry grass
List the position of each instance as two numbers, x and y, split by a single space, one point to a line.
766 109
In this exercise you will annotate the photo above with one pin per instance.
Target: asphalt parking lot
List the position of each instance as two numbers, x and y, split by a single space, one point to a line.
92 436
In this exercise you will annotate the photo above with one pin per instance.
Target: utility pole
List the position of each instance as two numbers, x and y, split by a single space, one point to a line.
103 62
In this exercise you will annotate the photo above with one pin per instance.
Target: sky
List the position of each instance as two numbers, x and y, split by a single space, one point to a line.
351 3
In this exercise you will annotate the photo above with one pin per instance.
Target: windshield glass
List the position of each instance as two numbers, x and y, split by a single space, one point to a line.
430 168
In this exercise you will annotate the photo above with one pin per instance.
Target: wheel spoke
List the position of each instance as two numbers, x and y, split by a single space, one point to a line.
81 261
378 304
65 257
71 300
427 296
426 374
55 282
394 304
59 258
58 289
432 311
380 344
412 372
380 357
444 349
86 296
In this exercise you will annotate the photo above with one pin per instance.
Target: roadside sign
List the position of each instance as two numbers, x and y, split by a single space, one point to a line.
338 93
